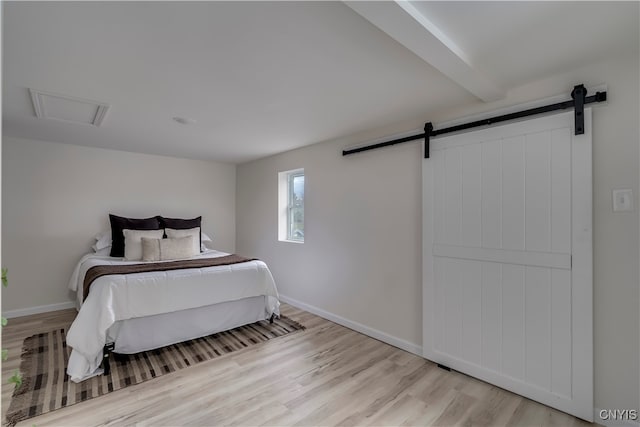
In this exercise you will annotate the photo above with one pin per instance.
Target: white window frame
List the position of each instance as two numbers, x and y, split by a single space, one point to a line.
285 205
290 207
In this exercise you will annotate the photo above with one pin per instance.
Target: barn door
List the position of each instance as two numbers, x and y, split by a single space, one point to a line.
507 280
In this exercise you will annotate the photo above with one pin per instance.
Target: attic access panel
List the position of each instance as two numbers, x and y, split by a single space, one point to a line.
48 105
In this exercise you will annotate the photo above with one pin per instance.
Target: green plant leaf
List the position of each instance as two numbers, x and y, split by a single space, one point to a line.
16 378
5 353
5 283
4 321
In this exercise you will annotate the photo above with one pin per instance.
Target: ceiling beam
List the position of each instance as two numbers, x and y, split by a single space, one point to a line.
404 23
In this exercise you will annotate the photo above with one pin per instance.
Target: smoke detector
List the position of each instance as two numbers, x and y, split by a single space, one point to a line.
184 120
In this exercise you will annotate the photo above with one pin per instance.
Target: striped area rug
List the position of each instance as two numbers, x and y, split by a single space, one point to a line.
46 385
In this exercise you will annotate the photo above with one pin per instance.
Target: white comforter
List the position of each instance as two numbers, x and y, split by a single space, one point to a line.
120 297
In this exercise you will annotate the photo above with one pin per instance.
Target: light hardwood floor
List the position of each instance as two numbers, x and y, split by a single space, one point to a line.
326 375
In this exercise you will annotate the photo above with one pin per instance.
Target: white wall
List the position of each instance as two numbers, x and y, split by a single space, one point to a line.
56 197
361 255
361 259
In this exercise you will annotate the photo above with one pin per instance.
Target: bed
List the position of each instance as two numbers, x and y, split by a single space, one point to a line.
142 311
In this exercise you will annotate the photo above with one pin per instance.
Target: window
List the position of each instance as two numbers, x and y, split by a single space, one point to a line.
295 216
291 206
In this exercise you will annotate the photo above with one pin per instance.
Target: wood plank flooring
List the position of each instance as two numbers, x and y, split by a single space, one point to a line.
326 375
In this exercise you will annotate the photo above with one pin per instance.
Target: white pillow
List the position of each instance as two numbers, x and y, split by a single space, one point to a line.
104 251
167 249
195 232
103 240
205 239
133 242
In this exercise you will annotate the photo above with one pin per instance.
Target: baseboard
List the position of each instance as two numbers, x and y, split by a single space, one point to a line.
359 327
614 423
38 309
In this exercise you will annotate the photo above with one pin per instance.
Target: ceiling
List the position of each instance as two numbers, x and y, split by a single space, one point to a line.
260 78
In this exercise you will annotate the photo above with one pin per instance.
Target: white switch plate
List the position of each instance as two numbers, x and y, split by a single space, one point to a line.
623 200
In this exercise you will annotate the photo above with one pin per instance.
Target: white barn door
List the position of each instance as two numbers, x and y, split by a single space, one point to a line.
507 259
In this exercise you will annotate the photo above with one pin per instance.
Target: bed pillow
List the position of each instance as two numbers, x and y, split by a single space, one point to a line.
151 249
204 239
168 249
119 223
103 240
181 224
133 242
195 232
104 251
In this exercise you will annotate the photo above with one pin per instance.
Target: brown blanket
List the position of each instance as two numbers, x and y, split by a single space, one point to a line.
103 270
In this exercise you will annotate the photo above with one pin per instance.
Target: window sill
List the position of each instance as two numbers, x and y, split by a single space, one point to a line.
300 242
